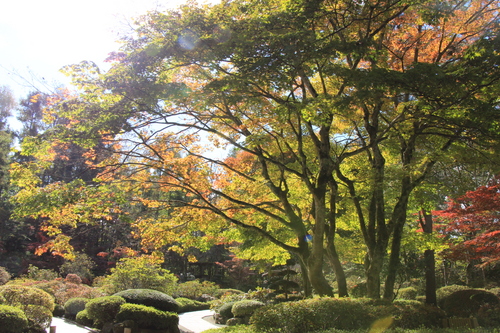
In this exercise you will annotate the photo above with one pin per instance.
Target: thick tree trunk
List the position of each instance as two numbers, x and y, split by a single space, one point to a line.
305 278
373 270
430 277
317 277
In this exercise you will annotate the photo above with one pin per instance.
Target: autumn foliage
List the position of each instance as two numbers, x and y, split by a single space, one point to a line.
472 224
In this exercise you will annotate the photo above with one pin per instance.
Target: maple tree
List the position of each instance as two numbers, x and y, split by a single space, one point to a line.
471 225
319 102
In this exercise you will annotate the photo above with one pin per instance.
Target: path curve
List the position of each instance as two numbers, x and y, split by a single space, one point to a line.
193 322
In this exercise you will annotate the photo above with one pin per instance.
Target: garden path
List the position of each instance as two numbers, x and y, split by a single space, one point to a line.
64 326
193 322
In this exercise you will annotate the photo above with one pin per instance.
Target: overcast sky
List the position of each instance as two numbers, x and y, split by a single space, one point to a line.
38 37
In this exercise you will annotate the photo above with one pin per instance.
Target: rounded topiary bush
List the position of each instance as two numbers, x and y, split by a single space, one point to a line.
73 306
224 292
409 293
443 292
39 317
84 319
104 309
225 311
4 275
23 296
187 305
147 317
313 315
150 297
245 307
12 319
465 303
411 314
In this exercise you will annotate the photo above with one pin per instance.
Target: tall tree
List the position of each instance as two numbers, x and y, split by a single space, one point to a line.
321 100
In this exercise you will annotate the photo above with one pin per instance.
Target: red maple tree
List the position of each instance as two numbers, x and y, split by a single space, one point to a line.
473 225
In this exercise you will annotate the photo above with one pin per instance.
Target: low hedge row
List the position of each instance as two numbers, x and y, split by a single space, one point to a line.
344 314
187 305
150 297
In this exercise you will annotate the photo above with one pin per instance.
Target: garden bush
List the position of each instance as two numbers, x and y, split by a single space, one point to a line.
73 306
12 319
4 276
446 291
465 303
187 305
139 273
224 312
224 292
104 309
84 319
149 297
312 314
488 315
23 296
195 289
39 318
414 314
245 307
147 317
409 293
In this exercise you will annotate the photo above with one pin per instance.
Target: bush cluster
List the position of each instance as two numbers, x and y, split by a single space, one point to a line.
312 314
446 291
187 305
409 293
196 289
149 297
104 309
73 306
36 304
12 319
84 319
465 303
147 317
4 275
245 307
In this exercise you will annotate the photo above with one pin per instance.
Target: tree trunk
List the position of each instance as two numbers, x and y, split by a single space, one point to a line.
334 260
430 278
305 277
373 270
317 277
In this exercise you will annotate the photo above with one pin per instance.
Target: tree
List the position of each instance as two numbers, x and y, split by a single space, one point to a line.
320 101
472 226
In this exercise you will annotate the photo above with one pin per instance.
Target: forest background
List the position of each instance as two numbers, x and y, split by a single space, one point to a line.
310 132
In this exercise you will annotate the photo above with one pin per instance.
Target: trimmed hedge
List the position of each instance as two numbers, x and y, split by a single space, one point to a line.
39 317
84 319
465 303
245 307
12 319
150 297
187 305
104 309
409 293
147 317
312 315
443 292
74 305
23 296
226 311
344 314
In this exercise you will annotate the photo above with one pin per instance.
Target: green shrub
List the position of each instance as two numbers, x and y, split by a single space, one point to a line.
4 276
104 309
312 314
74 305
149 297
245 307
12 319
187 305
147 317
23 296
409 293
195 289
225 311
414 314
139 273
224 292
446 291
359 290
465 303
39 274
81 266
84 319
39 317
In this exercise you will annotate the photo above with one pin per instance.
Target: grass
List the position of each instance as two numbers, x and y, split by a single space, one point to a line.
249 329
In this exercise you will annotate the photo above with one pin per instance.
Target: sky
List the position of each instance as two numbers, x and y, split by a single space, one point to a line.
39 37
